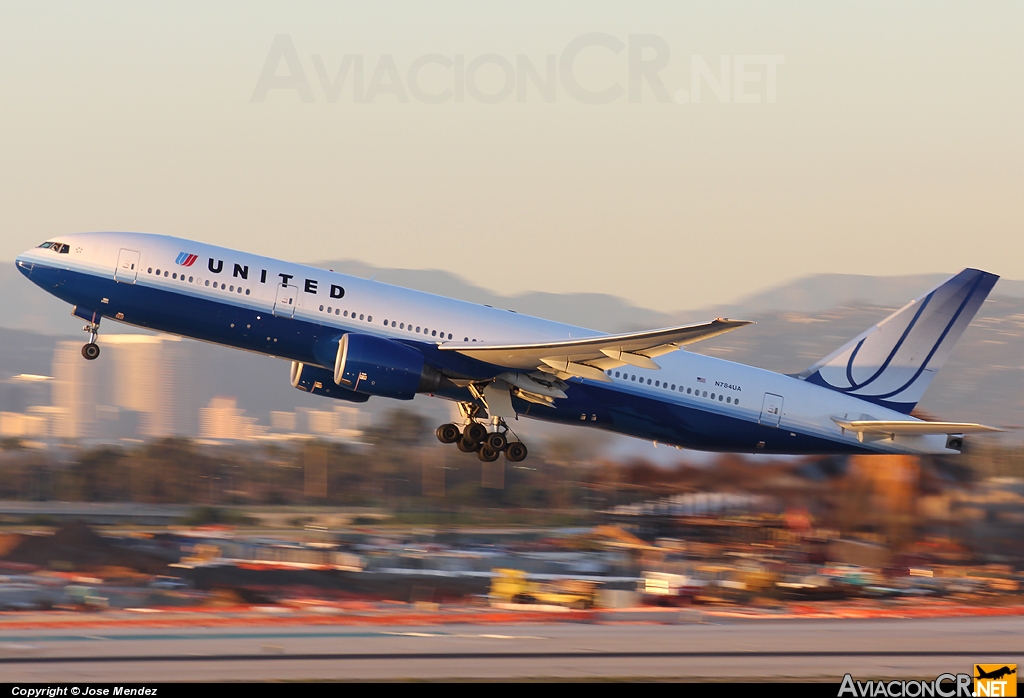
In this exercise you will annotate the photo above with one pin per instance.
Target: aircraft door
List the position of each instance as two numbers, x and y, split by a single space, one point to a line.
284 306
127 269
771 410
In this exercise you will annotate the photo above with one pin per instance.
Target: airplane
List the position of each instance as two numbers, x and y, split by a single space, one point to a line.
994 674
350 339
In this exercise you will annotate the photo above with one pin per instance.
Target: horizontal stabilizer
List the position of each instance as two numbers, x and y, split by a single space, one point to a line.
589 357
910 428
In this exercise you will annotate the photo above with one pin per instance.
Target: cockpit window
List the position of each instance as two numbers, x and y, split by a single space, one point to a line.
61 248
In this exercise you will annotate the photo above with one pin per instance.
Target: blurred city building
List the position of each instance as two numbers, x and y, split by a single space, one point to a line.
24 410
339 422
74 391
20 392
224 421
144 388
284 422
151 387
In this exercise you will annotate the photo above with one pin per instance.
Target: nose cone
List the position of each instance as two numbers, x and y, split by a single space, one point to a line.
23 264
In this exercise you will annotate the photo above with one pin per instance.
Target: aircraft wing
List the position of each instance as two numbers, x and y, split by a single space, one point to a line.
590 357
907 428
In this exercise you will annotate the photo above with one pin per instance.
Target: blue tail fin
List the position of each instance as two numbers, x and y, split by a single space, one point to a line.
893 363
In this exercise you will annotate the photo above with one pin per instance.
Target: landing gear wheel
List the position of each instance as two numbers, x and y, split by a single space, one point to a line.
487 455
496 441
466 447
448 433
516 452
91 351
474 433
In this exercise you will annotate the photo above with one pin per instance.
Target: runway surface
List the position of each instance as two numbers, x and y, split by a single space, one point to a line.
743 649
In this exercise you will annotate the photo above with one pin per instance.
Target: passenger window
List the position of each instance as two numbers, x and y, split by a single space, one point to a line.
190 279
369 318
728 400
321 309
402 326
449 335
648 381
705 394
165 274
207 282
673 386
360 316
688 391
434 333
337 311
616 374
150 270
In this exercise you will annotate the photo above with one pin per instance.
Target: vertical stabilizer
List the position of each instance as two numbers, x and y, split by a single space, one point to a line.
893 363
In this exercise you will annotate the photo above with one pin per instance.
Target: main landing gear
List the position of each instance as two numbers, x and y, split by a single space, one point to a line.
91 351
487 444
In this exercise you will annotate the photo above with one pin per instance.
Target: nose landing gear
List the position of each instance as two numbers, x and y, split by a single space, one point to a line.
91 351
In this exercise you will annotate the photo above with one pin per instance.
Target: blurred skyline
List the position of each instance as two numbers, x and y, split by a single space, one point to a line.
892 145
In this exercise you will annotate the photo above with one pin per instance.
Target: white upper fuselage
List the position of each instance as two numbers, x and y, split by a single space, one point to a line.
253 283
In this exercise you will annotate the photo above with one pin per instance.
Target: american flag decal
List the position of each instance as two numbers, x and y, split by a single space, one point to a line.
702 380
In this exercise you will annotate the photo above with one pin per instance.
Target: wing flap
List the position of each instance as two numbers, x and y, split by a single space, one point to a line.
598 353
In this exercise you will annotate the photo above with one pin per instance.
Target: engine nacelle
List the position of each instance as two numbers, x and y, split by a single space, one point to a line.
377 366
320 381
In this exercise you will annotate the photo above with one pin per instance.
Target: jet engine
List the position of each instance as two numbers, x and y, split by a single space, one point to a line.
376 366
320 381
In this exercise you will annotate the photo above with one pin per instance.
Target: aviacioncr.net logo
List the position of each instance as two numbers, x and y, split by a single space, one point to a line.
943 686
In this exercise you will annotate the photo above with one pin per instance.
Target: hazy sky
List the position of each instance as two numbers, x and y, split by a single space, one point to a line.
871 138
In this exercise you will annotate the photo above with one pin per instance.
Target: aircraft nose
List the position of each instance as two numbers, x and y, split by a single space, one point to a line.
23 264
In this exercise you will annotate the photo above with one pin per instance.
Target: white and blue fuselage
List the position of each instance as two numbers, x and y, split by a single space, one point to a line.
287 310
